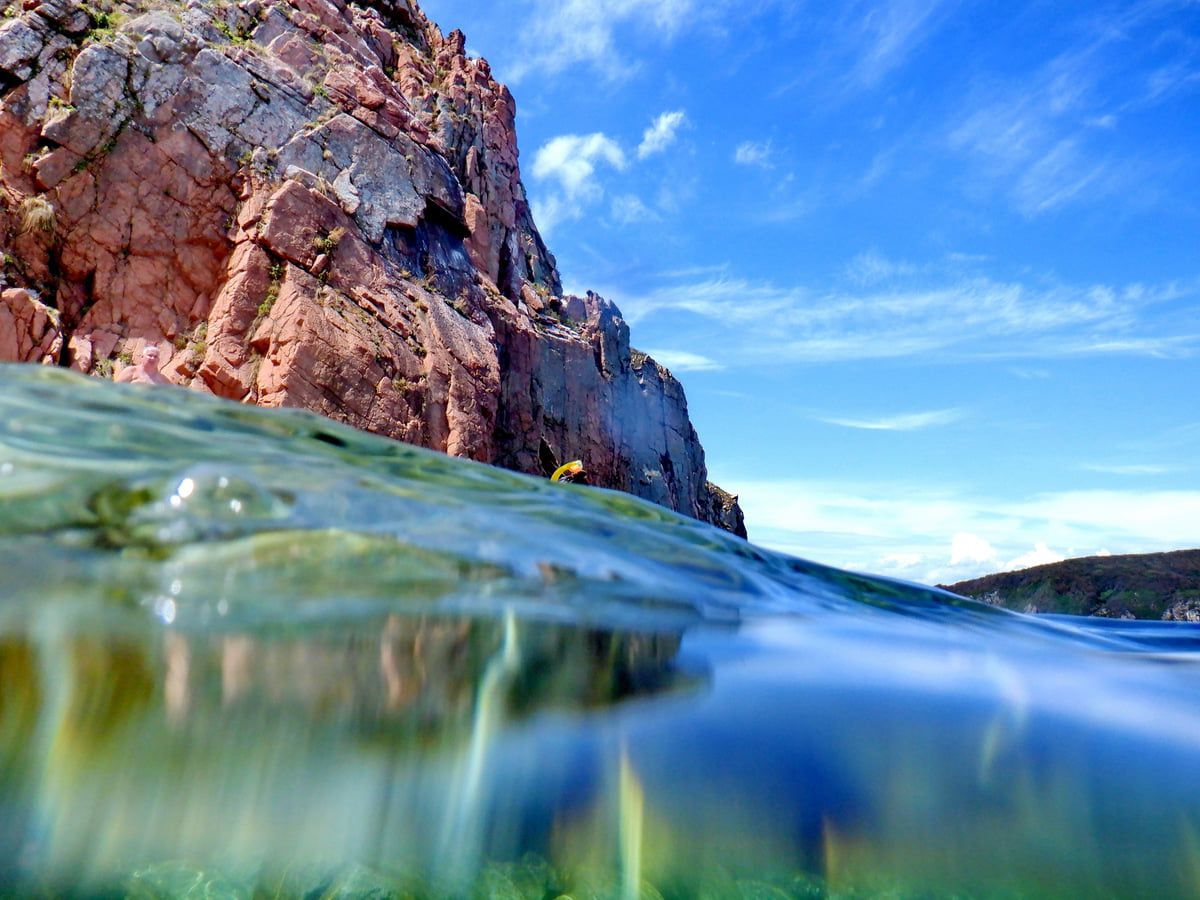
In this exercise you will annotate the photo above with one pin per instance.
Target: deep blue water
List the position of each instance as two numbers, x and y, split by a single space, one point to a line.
255 653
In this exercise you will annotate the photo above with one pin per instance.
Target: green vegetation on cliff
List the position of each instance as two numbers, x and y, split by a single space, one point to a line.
1139 586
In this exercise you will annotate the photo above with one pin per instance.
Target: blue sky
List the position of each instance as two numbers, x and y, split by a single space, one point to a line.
929 271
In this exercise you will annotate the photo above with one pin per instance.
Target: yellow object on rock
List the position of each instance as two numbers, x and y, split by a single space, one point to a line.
572 469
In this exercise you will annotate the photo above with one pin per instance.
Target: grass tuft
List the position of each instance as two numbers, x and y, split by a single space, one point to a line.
37 215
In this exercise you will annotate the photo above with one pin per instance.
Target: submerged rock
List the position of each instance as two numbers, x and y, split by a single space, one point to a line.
317 204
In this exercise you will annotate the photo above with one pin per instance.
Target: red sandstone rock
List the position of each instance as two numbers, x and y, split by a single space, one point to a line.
311 203
28 328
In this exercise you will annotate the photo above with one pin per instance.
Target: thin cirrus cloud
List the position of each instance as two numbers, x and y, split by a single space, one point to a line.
1028 373
902 422
629 209
560 34
883 35
1052 139
873 38
683 361
1130 469
871 267
865 42
1041 168
958 316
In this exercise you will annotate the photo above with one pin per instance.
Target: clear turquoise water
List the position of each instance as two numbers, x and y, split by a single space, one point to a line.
254 653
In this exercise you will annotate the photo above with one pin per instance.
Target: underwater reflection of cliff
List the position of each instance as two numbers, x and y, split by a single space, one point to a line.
441 747
257 744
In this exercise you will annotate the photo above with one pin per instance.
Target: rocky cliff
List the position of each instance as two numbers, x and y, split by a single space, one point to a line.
312 203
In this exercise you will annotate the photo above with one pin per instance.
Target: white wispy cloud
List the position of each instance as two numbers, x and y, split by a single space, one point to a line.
864 42
569 166
1163 517
569 163
570 159
661 134
885 33
960 258
1163 347
683 361
948 312
1046 140
630 208
1020 144
1028 373
871 267
1185 434
1165 81
900 422
1040 555
559 34
1131 469
967 547
708 270
734 301
754 153
1059 176
944 534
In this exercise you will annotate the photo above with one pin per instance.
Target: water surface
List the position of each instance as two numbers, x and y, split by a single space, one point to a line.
255 653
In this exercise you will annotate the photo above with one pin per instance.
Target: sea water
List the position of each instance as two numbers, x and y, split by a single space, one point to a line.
255 653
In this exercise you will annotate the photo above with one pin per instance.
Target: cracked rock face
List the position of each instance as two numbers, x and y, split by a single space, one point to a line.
312 203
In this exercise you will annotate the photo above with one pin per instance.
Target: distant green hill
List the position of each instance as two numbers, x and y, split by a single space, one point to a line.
1135 586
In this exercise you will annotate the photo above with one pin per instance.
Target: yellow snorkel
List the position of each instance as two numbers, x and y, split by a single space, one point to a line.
570 469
